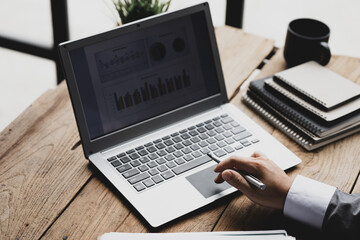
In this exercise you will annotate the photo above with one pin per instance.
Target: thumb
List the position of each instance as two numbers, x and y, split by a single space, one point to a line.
236 180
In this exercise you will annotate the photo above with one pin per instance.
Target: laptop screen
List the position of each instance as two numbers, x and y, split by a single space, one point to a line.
142 74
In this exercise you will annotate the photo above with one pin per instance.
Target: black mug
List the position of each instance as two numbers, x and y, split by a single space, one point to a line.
306 40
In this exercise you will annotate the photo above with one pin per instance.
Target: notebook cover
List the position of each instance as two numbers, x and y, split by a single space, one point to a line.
332 115
297 115
319 85
291 129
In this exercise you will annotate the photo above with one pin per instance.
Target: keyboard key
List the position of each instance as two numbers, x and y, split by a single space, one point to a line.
170 149
153 172
167 175
139 178
219 130
188 157
195 147
153 156
201 130
205 150
229 149
152 164
148 183
238 147
157 179
111 158
211 133
151 149
216 118
160 145
143 168
135 163
166 137
187 143
180 161
116 163
139 148
195 139
160 161
148 144
157 141
162 153
255 140
130 151
235 124
203 144
171 164
192 164
177 139
168 142
203 136
200 125
125 159
229 141
220 153
178 146
246 143
196 154
217 123
227 134
183 131
193 133
139 187
209 126
143 152
121 155
211 140
162 168
207 121
213 147
178 154
144 160
185 136
238 130
131 173
169 157
124 168
226 120
186 150
174 134
191 128
219 137
224 115
221 144
242 135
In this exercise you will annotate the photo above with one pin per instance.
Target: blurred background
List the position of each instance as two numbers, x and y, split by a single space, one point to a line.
24 77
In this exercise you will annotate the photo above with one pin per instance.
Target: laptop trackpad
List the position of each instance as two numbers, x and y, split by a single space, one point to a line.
203 181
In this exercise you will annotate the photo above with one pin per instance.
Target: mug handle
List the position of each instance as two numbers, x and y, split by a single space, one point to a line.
325 53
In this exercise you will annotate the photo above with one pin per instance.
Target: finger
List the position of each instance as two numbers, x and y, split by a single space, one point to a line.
218 179
240 163
257 154
236 180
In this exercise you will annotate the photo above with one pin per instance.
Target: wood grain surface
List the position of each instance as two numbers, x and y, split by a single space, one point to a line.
48 190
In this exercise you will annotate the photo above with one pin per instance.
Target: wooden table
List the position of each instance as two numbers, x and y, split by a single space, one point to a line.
48 190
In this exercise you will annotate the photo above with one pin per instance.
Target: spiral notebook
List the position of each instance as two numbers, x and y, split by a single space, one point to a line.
290 128
297 115
318 85
328 116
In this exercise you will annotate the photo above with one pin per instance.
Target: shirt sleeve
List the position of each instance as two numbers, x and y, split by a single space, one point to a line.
307 201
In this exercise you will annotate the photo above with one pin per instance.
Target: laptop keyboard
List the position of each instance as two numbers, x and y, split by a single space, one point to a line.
165 158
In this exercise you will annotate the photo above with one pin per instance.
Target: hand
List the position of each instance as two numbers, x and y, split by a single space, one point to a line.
276 181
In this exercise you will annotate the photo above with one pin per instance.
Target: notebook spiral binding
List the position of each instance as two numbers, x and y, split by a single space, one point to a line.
301 91
277 123
291 114
286 94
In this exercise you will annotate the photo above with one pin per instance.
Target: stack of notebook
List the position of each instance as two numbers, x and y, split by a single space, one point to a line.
309 103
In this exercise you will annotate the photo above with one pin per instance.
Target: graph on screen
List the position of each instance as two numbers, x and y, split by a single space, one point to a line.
121 61
151 90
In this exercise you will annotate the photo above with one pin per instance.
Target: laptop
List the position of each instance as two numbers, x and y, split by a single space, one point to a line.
150 102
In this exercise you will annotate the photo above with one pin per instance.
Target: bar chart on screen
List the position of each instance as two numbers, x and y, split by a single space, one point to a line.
151 90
